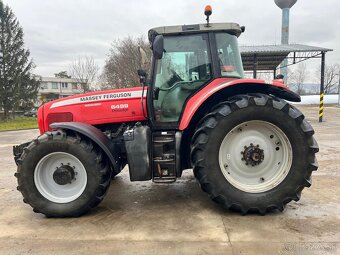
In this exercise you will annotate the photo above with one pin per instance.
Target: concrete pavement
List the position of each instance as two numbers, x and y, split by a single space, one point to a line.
148 218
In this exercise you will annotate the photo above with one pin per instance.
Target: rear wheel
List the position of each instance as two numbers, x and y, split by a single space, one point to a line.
62 175
254 153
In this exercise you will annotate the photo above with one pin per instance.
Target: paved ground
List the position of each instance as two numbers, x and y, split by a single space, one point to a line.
146 218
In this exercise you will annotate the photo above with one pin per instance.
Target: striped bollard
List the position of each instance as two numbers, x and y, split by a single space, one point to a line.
321 107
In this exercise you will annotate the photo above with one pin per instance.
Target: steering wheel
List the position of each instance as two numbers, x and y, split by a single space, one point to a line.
176 75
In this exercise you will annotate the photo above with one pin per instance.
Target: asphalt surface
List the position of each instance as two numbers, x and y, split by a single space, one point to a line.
148 218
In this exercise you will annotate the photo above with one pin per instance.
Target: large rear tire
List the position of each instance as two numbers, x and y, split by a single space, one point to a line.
62 175
254 153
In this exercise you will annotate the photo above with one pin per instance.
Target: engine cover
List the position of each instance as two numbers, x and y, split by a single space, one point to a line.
111 106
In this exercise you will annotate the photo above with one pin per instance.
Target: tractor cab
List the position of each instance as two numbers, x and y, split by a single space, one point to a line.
186 58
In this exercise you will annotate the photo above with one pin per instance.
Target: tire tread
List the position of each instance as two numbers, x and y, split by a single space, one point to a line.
222 111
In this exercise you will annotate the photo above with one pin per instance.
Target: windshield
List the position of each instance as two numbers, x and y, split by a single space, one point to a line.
184 68
229 55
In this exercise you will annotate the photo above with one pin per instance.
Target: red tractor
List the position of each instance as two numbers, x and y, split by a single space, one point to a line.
250 150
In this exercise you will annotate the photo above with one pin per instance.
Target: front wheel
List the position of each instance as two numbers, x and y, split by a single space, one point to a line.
254 153
62 175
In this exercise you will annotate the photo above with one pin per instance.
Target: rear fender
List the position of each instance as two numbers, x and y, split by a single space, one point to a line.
96 136
219 90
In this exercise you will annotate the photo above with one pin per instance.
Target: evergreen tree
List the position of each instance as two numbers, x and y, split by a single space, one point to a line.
17 84
62 74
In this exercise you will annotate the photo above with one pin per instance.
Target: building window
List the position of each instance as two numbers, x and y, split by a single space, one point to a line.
74 86
54 85
64 85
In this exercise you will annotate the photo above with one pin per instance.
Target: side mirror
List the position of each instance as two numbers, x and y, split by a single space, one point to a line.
279 77
142 76
158 47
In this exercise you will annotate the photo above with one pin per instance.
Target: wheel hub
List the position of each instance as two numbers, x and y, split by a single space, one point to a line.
252 155
63 175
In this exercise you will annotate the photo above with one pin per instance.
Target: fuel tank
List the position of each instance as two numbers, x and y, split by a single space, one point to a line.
103 107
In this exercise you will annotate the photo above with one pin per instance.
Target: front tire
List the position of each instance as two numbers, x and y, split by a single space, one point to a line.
254 153
62 175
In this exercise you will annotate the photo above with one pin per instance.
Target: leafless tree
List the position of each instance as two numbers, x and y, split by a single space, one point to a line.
297 78
84 70
332 73
124 59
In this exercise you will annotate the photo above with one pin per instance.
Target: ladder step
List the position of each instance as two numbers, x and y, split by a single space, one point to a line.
163 140
164 160
165 179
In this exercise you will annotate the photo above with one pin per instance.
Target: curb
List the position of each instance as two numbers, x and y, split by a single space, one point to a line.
13 130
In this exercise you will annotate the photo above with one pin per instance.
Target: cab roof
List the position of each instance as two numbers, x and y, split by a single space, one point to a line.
232 28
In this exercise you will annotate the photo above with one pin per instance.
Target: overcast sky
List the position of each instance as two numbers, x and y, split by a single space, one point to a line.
59 31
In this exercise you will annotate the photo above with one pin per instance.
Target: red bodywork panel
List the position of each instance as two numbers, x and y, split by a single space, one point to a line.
104 107
198 99
124 105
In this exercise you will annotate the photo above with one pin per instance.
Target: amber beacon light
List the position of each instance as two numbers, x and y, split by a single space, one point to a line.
208 12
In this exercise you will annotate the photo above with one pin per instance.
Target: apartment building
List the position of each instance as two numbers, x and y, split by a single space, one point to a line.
52 88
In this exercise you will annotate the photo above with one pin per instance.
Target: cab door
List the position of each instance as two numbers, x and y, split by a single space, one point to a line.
184 68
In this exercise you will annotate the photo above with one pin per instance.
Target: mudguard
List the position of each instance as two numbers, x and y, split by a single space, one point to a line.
275 88
95 135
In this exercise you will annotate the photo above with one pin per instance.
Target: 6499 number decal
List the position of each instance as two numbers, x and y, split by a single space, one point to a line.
120 107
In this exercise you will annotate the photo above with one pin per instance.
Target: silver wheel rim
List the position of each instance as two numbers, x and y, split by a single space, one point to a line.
43 178
276 162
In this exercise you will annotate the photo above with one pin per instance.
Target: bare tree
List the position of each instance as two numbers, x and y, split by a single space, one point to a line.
297 78
84 70
120 70
332 73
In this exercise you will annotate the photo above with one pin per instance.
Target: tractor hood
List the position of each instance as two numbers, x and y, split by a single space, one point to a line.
95 108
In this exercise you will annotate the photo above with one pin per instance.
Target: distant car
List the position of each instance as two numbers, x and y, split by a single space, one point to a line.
31 113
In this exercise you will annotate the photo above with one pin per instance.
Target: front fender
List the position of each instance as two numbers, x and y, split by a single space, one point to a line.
94 135
230 88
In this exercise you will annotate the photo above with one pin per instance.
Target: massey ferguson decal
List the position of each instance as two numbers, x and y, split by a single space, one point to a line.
98 98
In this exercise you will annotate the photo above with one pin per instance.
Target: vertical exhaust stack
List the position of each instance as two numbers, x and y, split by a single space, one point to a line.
285 5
